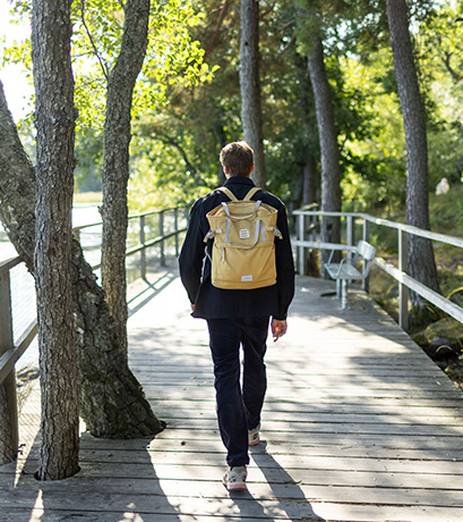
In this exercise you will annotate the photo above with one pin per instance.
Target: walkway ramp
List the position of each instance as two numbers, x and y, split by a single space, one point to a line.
359 425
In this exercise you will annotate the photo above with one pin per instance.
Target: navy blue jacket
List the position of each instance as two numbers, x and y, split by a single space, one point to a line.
195 266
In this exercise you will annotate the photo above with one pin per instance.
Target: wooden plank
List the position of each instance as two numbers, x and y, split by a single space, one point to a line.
384 407
386 404
345 425
393 418
359 425
286 368
390 440
311 386
205 497
281 378
339 393
315 448
268 461
325 511
324 478
206 417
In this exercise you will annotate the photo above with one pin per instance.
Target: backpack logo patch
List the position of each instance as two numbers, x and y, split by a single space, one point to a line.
244 233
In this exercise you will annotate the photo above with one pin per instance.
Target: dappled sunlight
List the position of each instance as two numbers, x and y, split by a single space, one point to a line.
344 415
357 424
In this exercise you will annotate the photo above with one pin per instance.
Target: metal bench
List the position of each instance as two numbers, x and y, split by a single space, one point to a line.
346 270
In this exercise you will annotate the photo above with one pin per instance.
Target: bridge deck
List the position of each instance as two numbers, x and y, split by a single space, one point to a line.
358 425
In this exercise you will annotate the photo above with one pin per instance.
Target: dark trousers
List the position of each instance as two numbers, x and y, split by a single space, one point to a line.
238 408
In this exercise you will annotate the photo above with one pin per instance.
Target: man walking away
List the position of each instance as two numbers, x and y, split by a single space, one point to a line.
237 267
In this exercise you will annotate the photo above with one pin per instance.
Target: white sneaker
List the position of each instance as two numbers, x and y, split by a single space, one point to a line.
235 478
253 436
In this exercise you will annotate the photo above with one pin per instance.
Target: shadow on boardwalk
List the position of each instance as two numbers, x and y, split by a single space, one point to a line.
359 425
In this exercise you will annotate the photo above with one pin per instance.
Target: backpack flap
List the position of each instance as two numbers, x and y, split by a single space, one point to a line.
243 254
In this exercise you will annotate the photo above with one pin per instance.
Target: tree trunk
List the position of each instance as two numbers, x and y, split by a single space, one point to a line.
219 131
55 123
112 403
117 135
421 262
309 180
329 149
309 174
251 111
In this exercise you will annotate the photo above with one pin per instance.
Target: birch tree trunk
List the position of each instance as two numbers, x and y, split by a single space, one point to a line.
117 135
251 111
329 149
421 262
112 404
55 123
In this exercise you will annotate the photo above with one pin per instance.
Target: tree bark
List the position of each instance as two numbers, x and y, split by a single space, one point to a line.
251 111
219 132
309 179
112 402
329 149
55 123
421 262
117 135
309 174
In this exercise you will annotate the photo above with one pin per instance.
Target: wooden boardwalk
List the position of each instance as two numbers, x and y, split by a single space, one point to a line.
358 425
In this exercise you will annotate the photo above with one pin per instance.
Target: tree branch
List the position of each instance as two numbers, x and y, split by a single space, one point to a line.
189 166
215 35
445 57
103 66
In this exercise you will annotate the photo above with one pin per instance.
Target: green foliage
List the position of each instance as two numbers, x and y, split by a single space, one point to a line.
187 99
174 62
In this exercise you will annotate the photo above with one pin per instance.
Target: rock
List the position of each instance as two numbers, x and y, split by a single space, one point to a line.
455 371
442 339
392 292
442 187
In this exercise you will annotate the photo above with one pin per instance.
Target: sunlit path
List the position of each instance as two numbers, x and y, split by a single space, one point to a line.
358 425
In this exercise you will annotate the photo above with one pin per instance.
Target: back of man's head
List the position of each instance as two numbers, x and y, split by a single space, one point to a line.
237 158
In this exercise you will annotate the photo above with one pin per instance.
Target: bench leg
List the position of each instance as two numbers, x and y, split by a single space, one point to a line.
338 288
344 294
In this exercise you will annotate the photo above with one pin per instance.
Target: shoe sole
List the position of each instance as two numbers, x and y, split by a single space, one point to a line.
238 486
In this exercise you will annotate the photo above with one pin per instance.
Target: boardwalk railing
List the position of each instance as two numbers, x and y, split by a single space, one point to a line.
308 222
167 227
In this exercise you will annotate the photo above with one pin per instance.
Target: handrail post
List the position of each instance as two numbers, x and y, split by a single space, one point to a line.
9 438
366 237
176 230
350 235
300 250
143 250
161 235
403 289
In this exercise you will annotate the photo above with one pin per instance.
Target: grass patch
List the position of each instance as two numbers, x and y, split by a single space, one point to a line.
87 197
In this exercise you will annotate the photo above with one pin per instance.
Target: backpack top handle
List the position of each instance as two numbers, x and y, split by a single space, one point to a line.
232 196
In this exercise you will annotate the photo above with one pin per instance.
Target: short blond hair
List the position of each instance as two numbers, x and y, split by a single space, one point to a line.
238 158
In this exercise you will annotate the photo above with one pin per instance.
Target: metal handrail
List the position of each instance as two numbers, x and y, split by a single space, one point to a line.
10 352
410 229
130 217
405 281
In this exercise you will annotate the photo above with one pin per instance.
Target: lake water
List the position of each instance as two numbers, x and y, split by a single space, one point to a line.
22 283
82 214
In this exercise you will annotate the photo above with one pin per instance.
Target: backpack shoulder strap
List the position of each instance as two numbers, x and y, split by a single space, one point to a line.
251 193
228 193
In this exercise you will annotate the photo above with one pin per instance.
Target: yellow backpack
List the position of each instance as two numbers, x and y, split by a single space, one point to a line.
243 252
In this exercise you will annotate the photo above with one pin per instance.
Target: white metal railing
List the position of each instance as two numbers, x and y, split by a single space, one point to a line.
11 350
405 281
